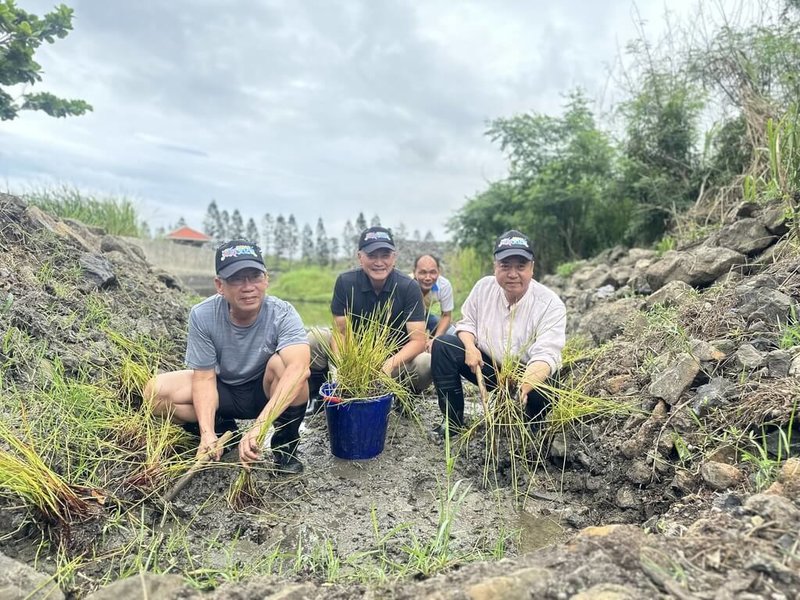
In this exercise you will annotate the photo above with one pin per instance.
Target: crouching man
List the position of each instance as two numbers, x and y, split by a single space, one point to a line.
247 357
507 315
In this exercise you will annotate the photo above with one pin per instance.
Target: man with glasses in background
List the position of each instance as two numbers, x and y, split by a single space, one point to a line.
247 357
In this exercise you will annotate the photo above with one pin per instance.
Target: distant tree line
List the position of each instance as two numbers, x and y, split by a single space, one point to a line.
282 238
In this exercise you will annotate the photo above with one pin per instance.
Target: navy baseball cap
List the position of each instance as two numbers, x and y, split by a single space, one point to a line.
513 243
375 238
236 255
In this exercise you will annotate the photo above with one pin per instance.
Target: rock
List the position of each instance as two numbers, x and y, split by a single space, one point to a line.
676 379
144 585
720 476
592 278
605 321
773 508
17 582
794 367
620 275
40 219
698 267
518 585
790 471
615 385
773 217
727 347
758 300
713 394
748 358
608 591
639 473
746 236
98 271
626 497
601 530
674 293
705 352
683 481
778 363
132 252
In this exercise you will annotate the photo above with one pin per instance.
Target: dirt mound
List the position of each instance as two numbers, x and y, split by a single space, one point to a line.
687 492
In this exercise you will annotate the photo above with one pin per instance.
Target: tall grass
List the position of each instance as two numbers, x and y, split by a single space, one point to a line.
116 215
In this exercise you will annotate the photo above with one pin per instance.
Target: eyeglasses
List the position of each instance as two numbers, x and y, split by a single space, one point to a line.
240 278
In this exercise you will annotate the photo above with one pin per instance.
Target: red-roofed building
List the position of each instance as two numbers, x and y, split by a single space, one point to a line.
189 236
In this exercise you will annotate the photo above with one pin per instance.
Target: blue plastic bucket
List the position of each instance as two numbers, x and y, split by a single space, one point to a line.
357 428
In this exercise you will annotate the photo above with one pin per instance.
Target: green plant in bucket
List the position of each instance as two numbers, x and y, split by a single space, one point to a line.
358 355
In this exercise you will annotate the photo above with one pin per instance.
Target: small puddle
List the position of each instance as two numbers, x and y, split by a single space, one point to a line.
537 532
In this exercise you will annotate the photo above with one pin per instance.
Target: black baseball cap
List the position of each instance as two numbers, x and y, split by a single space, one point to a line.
375 238
236 255
513 243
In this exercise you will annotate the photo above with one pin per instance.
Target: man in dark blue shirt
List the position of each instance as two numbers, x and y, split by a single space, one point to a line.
362 291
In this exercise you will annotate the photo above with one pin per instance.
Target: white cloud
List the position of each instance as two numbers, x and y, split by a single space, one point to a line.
311 108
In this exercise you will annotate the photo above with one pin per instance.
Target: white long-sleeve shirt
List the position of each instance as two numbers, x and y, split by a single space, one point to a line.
531 330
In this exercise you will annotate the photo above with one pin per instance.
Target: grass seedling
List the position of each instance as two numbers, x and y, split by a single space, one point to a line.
243 492
25 474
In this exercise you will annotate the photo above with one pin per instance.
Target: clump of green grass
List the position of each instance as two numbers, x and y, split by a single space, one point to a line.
116 215
567 269
25 474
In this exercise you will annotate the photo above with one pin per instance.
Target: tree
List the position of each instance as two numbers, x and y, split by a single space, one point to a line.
429 237
307 244
361 223
225 225
323 250
181 223
281 238
376 221
237 225
333 246
292 237
212 226
560 187
349 239
21 33
267 233
251 231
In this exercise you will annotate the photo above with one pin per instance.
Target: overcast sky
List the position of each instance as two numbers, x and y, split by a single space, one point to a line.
316 108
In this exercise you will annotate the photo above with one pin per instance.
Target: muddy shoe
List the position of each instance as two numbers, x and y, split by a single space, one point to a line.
315 406
439 433
287 464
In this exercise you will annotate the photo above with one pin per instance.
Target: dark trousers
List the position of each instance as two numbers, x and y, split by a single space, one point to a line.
448 367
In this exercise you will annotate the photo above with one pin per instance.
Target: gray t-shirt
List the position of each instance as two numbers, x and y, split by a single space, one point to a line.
240 354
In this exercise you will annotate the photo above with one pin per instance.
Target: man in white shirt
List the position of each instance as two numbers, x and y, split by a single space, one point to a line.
507 316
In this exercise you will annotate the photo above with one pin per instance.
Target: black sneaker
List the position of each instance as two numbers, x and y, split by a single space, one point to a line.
287 464
440 433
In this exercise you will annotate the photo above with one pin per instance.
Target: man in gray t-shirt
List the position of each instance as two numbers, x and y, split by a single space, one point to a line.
247 356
